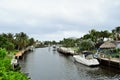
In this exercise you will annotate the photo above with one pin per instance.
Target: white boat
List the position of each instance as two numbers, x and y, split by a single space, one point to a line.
54 46
31 48
86 60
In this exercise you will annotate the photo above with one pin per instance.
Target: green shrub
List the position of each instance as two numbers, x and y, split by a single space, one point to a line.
2 53
6 70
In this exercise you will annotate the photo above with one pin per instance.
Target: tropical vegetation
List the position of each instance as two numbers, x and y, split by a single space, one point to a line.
17 41
92 40
6 70
9 44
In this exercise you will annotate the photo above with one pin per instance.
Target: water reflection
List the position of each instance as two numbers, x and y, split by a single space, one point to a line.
46 64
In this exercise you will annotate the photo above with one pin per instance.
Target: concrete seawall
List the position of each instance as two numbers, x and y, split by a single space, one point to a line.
20 54
109 63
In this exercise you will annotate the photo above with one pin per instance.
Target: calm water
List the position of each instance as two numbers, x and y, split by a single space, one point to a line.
45 64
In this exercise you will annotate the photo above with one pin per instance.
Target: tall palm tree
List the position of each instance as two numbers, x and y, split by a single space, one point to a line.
31 41
10 37
21 40
94 35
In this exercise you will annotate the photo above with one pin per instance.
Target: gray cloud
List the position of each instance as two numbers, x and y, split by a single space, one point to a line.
56 19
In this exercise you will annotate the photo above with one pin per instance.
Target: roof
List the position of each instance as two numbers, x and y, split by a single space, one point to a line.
108 45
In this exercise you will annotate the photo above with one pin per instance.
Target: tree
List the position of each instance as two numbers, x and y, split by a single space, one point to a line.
87 36
116 33
68 42
94 35
118 29
21 40
5 43
31 41
47 43
105 34
86 45
9 46
10 38
54 42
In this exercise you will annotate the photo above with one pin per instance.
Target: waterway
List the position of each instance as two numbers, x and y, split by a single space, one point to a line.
46 64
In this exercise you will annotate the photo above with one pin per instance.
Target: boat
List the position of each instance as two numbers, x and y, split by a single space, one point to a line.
86 59
54 47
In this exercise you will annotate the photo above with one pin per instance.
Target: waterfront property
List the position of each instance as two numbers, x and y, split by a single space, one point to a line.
109 54
84 58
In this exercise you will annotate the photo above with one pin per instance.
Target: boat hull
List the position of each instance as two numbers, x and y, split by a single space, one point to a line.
82 60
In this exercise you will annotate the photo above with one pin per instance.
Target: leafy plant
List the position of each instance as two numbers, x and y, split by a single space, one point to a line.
6 70
2 53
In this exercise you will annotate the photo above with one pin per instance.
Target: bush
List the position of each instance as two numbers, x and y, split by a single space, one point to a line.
10 46
3 53
11 75
6 70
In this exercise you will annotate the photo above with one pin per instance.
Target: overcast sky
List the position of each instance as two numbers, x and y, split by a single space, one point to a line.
58 19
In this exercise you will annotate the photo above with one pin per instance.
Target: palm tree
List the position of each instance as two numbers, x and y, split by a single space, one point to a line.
10 37
118 29
21 40
94 35
6 41
105 34
31 41
116 33
87 36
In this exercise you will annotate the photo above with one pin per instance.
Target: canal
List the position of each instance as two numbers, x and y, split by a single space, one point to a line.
46 64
